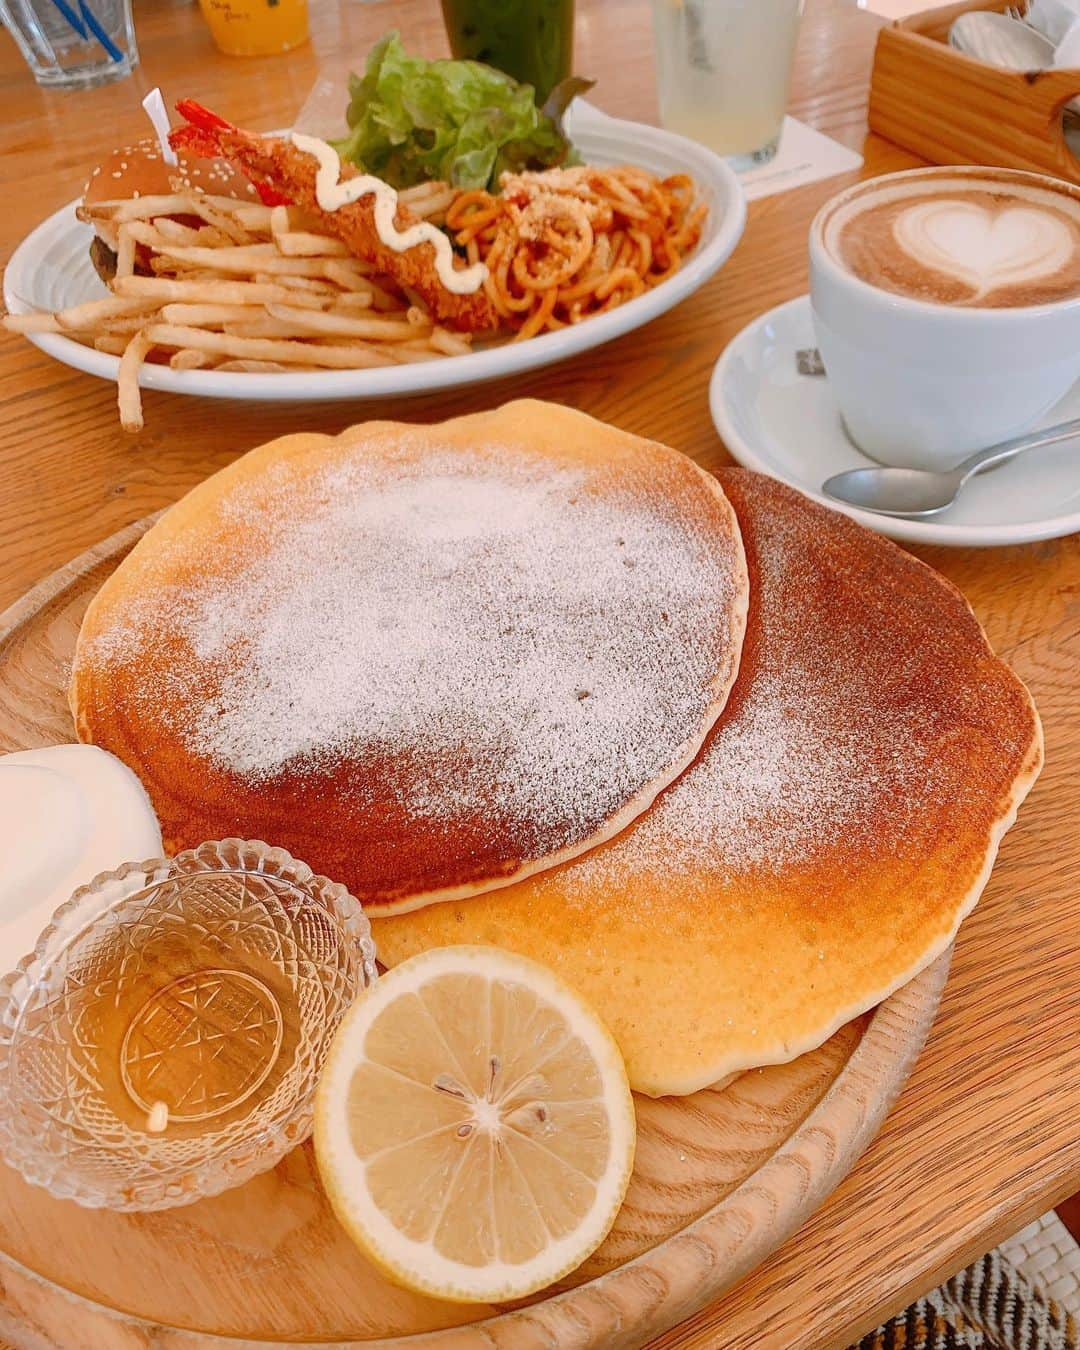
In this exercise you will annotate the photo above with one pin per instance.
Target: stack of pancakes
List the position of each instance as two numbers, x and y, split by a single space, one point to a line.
730 763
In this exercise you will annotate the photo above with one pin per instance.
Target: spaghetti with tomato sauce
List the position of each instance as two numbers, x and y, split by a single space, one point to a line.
563 244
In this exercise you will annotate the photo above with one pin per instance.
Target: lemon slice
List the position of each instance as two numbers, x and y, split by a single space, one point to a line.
474 1127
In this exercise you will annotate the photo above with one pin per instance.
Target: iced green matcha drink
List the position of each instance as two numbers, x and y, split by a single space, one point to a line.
532 40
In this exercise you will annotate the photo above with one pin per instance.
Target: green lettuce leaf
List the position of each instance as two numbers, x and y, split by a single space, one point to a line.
413 120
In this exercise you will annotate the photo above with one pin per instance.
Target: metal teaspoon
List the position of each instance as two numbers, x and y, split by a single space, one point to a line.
918 493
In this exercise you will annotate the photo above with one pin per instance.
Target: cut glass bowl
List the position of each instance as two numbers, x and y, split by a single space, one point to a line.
163 1041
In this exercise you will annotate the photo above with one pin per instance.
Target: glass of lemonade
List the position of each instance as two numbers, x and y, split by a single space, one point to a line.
723 68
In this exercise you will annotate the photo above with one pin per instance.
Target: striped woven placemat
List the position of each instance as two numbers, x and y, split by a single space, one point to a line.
1025 1295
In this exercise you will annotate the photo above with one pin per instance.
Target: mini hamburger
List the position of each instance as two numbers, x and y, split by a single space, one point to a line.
140 170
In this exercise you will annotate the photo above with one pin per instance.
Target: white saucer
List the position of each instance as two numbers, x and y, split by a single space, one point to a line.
785 424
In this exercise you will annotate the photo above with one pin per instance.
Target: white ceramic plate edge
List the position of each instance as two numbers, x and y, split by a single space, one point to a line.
597 133
905 531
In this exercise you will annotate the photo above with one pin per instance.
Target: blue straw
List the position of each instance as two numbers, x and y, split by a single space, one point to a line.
72 18
106 41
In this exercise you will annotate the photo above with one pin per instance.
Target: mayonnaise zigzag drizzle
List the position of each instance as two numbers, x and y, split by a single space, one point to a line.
332 194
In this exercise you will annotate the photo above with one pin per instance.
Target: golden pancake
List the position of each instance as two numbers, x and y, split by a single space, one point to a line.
426 660
839 823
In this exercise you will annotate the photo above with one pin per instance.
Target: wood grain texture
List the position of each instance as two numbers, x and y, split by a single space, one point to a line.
984 1135
720 1177
951 109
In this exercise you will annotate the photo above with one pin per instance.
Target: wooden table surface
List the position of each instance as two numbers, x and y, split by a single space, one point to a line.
987 1133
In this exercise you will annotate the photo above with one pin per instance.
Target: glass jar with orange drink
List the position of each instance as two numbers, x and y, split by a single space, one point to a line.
256 27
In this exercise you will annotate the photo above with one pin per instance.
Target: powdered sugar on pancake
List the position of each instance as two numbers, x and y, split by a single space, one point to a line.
770 790
553 634
818 740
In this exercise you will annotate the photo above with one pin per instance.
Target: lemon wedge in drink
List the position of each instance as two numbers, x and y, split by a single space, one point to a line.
474 1126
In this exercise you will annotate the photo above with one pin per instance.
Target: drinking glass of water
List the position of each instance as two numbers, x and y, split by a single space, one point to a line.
73 44
723 69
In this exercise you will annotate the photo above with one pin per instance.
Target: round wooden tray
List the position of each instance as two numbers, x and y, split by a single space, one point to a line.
721 1177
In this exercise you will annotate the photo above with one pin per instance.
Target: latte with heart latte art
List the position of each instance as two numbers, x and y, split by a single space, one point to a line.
975 239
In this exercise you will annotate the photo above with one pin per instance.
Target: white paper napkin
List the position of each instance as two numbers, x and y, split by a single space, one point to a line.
804 156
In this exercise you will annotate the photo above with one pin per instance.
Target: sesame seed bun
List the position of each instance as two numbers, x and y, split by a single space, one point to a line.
139 170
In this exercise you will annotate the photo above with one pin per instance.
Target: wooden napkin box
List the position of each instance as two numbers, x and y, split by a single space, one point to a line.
951 109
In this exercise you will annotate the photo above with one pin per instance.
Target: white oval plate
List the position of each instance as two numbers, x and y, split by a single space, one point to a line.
51 269
785 424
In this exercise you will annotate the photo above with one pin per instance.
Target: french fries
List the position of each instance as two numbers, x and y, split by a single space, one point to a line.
188 359
350 302
127 381
254 367
343 325
252 215
447 343
207 316
210 283
288 352
220 219
302 244
32 323
211 290
165 229
125 251
259 327
427 200
112 344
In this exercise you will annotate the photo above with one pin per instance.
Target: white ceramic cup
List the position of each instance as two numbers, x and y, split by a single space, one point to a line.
922 384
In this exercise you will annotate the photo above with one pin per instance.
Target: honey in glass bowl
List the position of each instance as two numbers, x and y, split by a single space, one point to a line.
164 1040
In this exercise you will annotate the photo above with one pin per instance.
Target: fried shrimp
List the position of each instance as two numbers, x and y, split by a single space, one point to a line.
284 174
